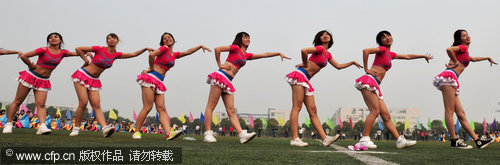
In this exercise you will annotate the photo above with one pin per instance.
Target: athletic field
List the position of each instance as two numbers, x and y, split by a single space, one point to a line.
263 150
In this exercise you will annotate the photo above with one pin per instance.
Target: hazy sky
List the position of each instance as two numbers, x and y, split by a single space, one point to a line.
421 26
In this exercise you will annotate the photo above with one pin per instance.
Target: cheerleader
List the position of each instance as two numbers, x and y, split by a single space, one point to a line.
87 83
151 81
37 78
221 86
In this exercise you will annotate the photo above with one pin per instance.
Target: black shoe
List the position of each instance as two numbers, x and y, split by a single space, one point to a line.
459 143
484 143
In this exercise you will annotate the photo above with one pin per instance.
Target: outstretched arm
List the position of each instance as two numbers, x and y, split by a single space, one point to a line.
134 54
344 65
71 54
192 50
414 56
19 53
269 54
477 59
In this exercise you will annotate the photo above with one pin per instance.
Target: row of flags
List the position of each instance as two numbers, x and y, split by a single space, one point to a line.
216 121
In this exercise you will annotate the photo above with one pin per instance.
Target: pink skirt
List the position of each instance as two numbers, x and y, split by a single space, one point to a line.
220 79
369 82
91 83
447 77
34 81
151 81
299 78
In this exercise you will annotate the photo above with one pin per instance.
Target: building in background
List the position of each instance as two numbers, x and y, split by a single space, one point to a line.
357 114
272 113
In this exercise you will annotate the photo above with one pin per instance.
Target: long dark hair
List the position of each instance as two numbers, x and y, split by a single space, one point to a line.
239 37
60 37
161 39
317 38
457 37
380 35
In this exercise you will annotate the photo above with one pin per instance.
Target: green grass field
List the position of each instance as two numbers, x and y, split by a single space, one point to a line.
228 150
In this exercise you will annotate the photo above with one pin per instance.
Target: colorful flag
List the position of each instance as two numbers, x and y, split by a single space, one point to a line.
394 121
202 118
264 122
457 126
308 122
251 121
183 120
418 124
134 116
330 123
191 117
112 114
494 124
350 122
407 123
380 125
215 120
484 126
23 107
36 111
429 123
444 123
157 117
281 121
93 114
340 123
58 112
472 125
3 107
68 115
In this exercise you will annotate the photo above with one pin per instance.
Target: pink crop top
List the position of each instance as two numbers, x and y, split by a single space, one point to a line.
102 58
236 56
384 58
49 60
463 55
165 59
321 56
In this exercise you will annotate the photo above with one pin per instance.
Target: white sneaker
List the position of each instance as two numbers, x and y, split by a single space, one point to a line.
136 136
330 140
365 140
75 131
43 130
246 137
107 131
7 128
403 143
209 137
297 142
